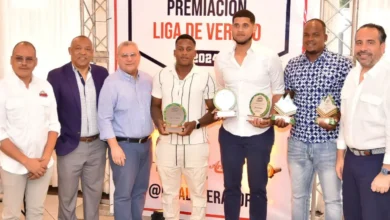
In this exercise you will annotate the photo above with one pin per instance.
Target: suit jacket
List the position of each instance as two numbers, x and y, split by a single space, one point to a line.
67 94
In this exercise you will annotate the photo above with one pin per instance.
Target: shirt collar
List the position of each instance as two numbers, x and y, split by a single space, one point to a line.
75 69
17 81
373 72
324 55
194 70
252 49
128 76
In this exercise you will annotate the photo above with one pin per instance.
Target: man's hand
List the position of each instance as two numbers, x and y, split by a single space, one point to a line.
281 123
188 127
118 156
161 128
327 126
381 184
44 162
260 122
214 112
33 165
340 167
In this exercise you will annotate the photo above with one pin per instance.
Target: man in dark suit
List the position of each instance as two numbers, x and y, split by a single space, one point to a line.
80 153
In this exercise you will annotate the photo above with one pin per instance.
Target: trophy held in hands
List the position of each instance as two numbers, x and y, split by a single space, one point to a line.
174 117
326 110
225 101
259 106
286 109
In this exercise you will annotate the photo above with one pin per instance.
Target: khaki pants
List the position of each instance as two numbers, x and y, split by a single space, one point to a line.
173 161
17 186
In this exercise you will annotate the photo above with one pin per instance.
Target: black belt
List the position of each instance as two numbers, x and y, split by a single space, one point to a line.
133 140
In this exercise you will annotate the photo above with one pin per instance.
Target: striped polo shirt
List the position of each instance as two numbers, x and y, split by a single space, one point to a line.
191 93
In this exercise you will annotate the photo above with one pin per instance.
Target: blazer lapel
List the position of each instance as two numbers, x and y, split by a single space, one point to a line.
73 87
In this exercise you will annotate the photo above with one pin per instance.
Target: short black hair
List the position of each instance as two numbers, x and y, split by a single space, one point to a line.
25 43
185 36
320 21
381 30
246 14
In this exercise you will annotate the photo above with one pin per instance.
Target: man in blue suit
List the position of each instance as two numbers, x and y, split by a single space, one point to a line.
80 153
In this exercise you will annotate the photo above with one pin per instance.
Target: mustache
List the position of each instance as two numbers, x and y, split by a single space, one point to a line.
363 53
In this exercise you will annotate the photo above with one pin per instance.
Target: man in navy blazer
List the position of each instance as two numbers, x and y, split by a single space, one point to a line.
80 153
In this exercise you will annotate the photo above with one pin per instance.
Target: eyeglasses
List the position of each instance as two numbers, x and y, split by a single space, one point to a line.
28 60
127 55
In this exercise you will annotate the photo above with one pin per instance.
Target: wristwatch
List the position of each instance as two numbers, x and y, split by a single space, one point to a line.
197 124
385 171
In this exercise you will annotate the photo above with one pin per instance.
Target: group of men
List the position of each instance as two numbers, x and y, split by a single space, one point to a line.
81 110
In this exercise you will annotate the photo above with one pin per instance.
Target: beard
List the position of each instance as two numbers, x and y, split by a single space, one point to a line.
243 41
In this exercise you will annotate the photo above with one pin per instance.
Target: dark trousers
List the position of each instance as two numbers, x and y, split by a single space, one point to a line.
360 202
256 149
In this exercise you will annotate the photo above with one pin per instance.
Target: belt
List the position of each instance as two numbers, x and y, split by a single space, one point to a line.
370 152
133 140
89 139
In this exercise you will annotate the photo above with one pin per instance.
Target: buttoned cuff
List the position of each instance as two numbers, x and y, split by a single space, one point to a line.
341 145
386 160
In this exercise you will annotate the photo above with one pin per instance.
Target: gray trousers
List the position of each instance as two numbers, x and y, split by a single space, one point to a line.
17 186
87 162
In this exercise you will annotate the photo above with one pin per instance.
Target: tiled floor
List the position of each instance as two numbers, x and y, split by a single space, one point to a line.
51 209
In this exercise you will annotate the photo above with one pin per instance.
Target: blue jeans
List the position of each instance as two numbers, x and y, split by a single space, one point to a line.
304 159
131 181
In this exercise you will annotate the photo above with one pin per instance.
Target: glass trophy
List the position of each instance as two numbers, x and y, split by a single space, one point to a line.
285 108
174 117
259 106
326 110
225 101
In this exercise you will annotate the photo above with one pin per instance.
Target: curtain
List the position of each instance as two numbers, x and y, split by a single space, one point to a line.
48 24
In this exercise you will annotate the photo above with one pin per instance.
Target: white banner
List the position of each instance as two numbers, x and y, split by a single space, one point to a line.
155 24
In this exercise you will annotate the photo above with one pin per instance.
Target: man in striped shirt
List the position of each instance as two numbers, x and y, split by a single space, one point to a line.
186 152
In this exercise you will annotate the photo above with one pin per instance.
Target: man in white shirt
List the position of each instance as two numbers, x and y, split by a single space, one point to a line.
363 157
247 70
186 152
29 129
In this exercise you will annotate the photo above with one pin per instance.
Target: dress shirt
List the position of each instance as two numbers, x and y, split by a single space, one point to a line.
312 81
191 93
88 104
365 110
124 106
27 115
260 72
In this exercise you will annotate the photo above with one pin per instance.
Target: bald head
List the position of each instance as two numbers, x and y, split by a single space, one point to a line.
125 44
24 43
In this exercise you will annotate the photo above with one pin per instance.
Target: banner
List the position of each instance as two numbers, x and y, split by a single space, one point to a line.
155 24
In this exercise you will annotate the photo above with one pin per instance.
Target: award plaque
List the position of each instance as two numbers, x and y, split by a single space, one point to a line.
259 106
225 101
326 110
286 109
174 117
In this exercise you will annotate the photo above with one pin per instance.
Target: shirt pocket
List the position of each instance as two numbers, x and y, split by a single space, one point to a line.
16 112
44 109
370 106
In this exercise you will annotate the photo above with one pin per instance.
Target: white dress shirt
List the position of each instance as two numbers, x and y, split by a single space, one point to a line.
191 93
260 72
365 110
26 117
88 103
